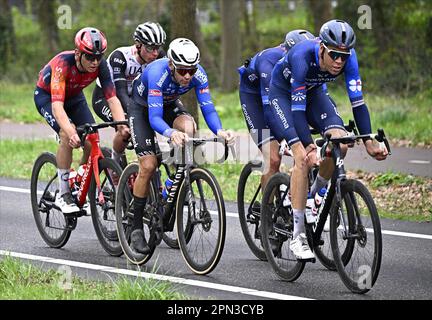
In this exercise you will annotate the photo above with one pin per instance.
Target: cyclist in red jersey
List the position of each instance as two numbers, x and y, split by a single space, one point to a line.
60 100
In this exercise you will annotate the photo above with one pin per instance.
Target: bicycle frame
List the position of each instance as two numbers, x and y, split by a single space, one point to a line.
92 165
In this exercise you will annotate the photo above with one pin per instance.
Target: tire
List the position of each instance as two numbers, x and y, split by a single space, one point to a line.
276 230
357 267
123 203
44 178
103 215
250 219
209 234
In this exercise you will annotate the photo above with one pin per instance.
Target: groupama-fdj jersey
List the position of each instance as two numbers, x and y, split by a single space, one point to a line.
294 83
254 88
156 87
61 81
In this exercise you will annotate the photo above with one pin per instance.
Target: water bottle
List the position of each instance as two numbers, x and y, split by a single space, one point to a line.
318 200
73 184
168 184
310 204
80 172
282 190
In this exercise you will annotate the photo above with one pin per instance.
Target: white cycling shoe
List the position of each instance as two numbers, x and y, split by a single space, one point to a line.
300 248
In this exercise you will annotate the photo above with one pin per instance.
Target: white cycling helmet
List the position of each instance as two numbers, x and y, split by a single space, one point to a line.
150 33
183 52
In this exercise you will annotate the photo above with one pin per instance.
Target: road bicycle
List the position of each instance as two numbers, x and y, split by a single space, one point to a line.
249 199
96 186
194 205
355 230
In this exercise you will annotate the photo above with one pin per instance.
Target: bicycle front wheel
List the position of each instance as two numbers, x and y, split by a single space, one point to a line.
103 208
249 207
277 227
124 214
355 224
201 221
54 227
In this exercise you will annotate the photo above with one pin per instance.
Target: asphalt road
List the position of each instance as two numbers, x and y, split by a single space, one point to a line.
406 271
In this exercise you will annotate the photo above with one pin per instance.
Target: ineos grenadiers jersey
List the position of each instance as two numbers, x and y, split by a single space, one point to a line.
156 87
299 71
62 79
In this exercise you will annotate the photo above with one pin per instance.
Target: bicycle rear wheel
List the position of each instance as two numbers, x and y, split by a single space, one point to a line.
124 214
201 223
359 266
103 212
54 227
277 229
249 208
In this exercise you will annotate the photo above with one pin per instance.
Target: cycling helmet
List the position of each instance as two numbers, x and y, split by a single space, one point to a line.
296 36
150 33
337 33
90 40
183 52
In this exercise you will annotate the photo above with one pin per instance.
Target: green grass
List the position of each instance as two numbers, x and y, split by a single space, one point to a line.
24 281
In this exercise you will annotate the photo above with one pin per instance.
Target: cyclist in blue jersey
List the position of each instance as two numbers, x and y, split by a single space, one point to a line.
156 107
297 101
255 77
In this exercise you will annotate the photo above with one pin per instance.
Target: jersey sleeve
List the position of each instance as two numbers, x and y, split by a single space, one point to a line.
298 97
118 65
202 92
354 89
155 102
59 73
106 80
264 70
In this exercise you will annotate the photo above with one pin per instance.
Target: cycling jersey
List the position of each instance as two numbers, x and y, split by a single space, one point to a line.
157 87
299 71
62 79
124 68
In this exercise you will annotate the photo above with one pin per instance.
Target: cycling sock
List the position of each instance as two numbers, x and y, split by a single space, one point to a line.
318 184
138 209
63 175
299 226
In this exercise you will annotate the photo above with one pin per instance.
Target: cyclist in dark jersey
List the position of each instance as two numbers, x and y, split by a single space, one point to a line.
125 64
156 107
255 76
60 100
297 101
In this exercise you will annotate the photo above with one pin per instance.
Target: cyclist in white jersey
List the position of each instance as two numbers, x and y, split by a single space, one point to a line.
125 64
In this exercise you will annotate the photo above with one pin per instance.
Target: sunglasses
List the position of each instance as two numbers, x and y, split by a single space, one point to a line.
92 57
334 54
150 49
184 71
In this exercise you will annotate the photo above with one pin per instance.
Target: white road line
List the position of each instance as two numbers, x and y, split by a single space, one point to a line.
183 281
419 161
235 215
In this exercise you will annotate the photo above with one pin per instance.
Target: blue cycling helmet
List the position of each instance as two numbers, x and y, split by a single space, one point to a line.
296 36
337 33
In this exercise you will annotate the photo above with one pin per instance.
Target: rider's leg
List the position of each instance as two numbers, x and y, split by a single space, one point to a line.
272 161
64 161
185 123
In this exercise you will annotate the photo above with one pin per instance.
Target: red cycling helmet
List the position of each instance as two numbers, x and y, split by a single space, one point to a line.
91 40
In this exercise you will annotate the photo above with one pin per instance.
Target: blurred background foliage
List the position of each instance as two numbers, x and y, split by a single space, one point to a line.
394 55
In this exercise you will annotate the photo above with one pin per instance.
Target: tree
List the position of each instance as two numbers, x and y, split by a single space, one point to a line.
7 35
230 15
46 14
321 11
184 24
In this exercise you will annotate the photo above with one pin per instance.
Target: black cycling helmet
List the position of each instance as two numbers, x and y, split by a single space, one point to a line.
296 36
337 33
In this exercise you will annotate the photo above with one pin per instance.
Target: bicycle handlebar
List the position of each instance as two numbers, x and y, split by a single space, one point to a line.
379 136
87 128
200 141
